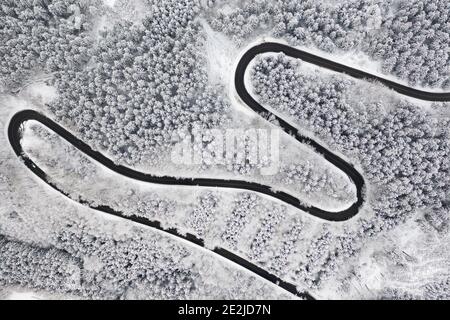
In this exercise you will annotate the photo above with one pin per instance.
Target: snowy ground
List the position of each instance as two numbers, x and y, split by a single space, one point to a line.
102 252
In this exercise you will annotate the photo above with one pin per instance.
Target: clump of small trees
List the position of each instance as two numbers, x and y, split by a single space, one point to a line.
204 213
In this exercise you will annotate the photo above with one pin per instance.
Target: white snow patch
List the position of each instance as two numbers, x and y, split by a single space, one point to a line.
220 53
92 264
109 3
41 93
24 295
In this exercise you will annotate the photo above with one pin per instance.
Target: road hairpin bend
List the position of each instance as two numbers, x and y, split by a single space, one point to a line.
15 132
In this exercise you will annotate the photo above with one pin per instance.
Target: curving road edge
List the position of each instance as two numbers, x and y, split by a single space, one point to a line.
15 130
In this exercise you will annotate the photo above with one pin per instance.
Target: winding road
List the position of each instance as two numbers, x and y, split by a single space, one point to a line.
15 129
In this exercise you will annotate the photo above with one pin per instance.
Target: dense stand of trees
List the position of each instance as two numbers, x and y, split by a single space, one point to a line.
413 42
126 89
41 268
94 267
403 152
305 97
144 82
341 26
43 36
119 266
409 38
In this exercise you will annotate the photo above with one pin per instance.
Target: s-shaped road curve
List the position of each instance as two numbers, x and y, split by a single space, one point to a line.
15 129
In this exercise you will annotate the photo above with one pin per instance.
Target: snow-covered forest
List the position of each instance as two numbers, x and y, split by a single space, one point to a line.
402 149
408 38
133 79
